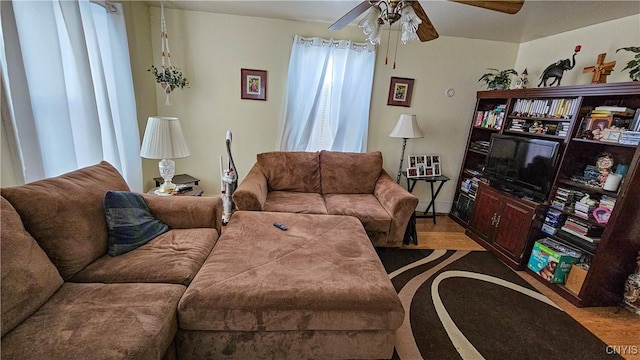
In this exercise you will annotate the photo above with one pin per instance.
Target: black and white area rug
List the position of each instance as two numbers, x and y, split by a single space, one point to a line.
469 305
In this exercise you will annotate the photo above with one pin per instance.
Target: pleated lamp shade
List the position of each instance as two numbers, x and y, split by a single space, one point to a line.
163 139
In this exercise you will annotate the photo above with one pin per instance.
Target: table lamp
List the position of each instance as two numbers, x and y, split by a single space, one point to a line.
163 139
406 128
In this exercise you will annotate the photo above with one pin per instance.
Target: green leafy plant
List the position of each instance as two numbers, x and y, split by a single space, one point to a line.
633 65
171 76
498 79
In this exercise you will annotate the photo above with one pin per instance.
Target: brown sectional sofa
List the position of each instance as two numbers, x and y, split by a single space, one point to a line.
333 183
63 297
317 290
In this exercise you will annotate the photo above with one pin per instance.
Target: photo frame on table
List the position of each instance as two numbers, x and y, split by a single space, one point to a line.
611 135
424 165
253 84
400 91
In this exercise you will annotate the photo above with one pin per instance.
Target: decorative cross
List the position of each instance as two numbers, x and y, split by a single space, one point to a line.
600 70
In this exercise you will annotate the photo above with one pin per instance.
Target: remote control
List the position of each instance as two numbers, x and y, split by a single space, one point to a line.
183 187
280 226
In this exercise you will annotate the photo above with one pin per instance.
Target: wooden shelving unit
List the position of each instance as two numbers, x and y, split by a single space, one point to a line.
613 258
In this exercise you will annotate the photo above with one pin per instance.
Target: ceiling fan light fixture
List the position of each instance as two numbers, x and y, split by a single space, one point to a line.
371 26
410 22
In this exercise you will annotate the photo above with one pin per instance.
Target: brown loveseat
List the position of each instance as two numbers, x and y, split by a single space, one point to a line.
330 183
63 297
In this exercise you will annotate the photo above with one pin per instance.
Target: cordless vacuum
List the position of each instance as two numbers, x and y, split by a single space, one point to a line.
229 182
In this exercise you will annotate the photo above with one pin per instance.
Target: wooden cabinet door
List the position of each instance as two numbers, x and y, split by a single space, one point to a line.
513 227
485 212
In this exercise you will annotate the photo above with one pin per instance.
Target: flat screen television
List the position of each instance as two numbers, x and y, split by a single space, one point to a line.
522 165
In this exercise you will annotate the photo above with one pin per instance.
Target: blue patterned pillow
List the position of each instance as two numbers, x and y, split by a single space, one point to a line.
130 222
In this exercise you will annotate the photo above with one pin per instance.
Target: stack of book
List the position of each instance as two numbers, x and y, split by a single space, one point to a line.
563 198
583 210
470 186
482 146
517 125
563 129
613 110
582 229
553 221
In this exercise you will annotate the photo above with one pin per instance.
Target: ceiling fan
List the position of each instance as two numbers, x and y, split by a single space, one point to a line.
414 21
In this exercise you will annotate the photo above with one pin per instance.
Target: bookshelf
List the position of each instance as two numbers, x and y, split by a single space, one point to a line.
566 115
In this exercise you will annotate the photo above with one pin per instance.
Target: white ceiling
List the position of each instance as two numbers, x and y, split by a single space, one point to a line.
535 20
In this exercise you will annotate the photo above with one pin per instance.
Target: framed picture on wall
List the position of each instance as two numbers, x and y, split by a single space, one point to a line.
400 91
253 84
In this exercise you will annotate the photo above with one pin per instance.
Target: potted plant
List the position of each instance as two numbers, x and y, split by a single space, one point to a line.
633 65
169 78
498 79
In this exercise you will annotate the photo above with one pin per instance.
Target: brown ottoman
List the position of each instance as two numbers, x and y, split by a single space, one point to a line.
317 290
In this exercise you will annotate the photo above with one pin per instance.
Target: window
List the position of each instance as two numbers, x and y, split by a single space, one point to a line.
328 96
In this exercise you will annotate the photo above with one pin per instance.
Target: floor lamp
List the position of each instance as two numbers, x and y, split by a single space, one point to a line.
406 128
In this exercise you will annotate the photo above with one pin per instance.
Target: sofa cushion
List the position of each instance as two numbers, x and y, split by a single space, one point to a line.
295 202
363 206
173 257
320 274
349 173
291 170
66 216
29 278
99 321
129 221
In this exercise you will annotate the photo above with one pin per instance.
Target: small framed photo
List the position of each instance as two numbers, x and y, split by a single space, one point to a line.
611 135
412 172
253 84
400 91
436 170
413 161
598 125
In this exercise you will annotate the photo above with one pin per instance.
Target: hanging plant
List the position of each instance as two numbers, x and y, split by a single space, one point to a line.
633 65
169 77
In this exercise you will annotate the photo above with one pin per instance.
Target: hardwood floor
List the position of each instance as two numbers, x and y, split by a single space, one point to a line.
619 329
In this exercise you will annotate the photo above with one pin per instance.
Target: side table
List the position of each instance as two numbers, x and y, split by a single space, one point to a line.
411 233
195 191
179 179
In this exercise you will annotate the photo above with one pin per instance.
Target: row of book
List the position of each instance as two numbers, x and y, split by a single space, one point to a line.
491 118
549 108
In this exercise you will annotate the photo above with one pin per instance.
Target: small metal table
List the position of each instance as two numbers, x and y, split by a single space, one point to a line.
411 234
440 180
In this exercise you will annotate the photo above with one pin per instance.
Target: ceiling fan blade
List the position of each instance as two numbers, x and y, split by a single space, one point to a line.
505 6
350 16
426 31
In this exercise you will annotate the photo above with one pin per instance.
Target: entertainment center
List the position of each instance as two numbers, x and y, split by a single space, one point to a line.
534 166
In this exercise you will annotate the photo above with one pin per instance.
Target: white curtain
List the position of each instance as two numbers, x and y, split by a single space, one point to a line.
328 95
67 77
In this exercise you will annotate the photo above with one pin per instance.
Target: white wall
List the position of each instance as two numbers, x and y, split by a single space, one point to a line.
606 37
212 48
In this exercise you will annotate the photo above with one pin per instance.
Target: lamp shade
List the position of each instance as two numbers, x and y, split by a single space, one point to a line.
163 139
406 128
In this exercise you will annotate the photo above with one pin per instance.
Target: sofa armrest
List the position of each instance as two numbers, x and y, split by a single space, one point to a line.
251 194
398 202
186 212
